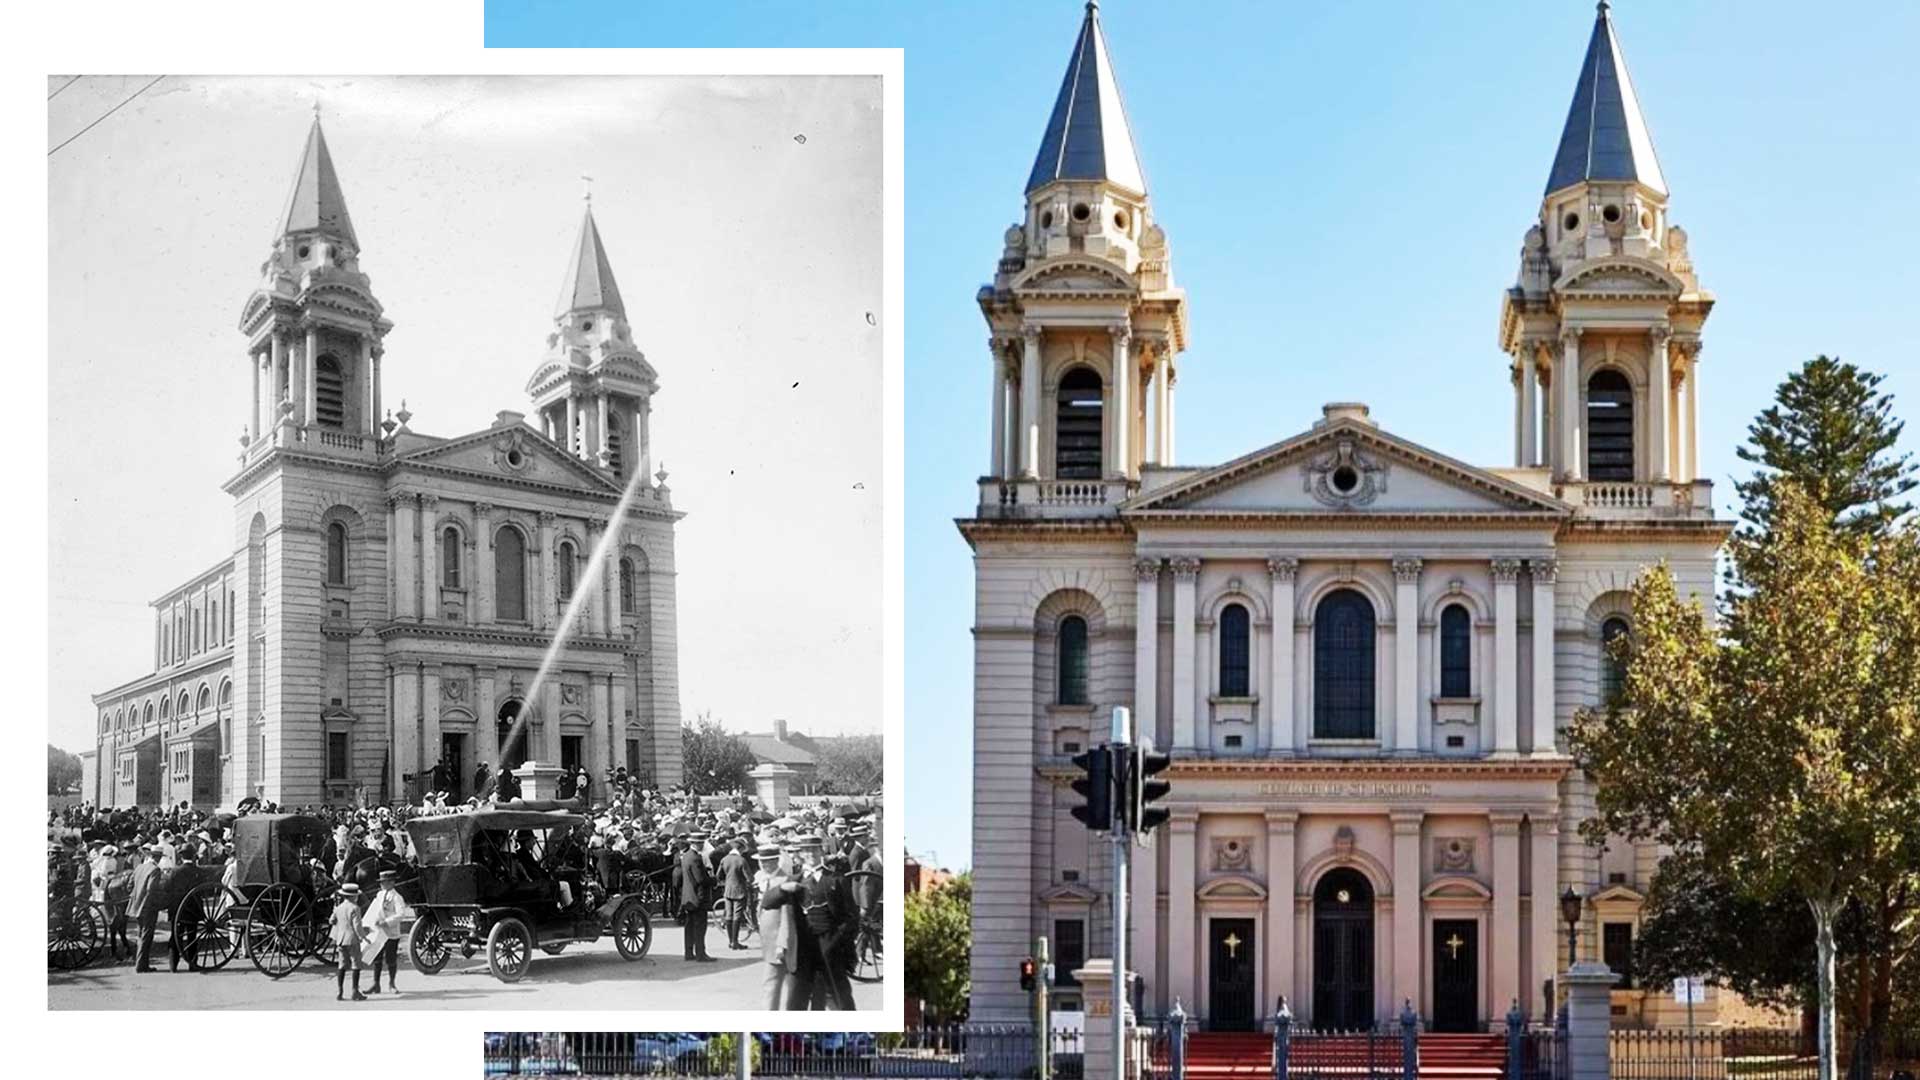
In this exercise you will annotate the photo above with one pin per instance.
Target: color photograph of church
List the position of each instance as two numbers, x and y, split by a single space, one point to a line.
1359 650
389 598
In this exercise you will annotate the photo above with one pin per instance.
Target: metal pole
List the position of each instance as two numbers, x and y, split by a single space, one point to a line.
1042 1024
745 1067
1122 844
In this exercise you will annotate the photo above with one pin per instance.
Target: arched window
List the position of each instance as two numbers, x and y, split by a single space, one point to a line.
206 698
1456 652
329 394
1613 670
563 571
149 713
1076 426
184 705
163 709
1343 639
510 575
1073 661
627 588
226 694
1609 426
1235 658
450 558
336 554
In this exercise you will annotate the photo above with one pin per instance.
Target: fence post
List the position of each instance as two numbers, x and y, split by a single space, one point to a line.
1177 1041
1589 1020
1409 1042
1282 1037
1516 1025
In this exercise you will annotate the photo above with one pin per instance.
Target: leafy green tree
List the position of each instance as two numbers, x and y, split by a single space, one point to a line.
715 760
939 947
1831 432
1782 749
850 764
63 770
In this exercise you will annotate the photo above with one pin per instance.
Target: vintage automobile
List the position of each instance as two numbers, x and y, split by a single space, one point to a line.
511 881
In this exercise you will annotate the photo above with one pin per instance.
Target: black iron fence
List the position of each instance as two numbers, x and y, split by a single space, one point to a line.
1758 1054
960 1050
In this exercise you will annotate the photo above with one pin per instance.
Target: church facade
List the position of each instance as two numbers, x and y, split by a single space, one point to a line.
1359 651
390 595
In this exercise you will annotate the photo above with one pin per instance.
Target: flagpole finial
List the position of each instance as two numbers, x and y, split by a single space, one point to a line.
587 188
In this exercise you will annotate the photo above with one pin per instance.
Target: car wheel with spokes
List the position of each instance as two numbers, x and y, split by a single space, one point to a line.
509 950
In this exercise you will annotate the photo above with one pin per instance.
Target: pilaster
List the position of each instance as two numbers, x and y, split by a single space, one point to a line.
1281 860
430 557
1281 572
1506 681
1545 573
1030 402
1659 403
1146 659
1407 905
1186 572
1503 964
1567 378
1406 656
1181 923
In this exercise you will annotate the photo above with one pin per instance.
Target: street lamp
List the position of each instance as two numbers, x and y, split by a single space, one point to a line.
1570 911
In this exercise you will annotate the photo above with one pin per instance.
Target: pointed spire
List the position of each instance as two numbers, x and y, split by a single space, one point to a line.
1606 137
589 283
317 204
1088 137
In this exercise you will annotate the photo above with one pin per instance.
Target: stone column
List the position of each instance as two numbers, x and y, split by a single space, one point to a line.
483 563
1096 978
1146 652
309 360
369 399
1503 964
600 705
1122 463
1406 907
1280 892
1030 403
1529 398
429 557
393 556
617 721
548 748
406 729
599 422
1693 411
1281 570
1568 380
1173 381
596 606
1181 882
773 785
1545 858
253 417
1506 677
1163 405
545 601
609 598
572 441
1185 573
643 423
1545 573
1406 656
1519 411
374 353
277 363
486 725
1143 913
406 569
999 463
429 724
1659 393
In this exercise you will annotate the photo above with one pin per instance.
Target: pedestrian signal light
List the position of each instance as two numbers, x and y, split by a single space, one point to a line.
1026 974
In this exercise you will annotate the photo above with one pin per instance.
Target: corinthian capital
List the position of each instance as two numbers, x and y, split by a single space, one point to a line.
1506 571
1146 569
1122 333
1283 568
1030 332
1545 571
1406 570
1659 334
1185 568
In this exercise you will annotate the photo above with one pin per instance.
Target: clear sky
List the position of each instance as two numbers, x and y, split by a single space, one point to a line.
1345 188
749 259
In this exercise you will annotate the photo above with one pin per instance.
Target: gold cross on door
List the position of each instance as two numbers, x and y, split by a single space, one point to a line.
1453 945
1232 942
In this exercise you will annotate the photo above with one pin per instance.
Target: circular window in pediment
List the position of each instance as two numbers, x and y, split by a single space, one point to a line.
515 458
1345 479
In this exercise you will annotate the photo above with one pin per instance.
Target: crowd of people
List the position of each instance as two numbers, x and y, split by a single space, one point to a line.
806 882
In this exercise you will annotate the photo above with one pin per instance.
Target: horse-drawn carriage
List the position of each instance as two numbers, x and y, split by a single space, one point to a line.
77 928
511 881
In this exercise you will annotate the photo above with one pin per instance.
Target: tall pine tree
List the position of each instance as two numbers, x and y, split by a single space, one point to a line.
1833 433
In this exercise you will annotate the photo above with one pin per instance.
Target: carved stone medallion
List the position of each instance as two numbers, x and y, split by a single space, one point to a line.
1345 477
1234 853
1453 854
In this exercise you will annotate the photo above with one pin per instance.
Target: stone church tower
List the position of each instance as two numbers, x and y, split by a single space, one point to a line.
391 594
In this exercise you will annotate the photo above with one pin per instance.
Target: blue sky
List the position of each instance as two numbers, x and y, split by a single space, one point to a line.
1345 187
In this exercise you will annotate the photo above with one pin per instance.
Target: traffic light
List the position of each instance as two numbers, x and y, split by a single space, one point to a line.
1026 974
1096 787
1143 791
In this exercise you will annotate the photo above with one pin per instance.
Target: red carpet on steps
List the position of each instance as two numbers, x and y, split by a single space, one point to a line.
1233 1055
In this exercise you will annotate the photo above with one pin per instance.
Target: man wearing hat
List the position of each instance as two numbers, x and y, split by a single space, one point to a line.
777 943
143 904
695 885
736 882
823 925
346 932
386 920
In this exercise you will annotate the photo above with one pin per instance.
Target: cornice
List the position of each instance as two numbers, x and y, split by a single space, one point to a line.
1061 530
495 635
212 660
1542 767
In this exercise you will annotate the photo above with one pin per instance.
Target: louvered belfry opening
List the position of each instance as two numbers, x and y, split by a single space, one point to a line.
616 445
1077 426
329 394
1609 426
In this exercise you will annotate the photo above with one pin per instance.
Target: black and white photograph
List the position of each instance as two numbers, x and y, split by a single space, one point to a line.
425 637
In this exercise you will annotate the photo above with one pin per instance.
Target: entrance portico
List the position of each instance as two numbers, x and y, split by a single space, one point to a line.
1351 891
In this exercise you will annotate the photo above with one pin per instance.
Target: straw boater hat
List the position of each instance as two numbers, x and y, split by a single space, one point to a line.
767 850
389 877
349 890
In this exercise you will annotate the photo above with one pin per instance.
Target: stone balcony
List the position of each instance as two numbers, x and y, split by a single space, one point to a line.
1620 500
1016 499
312 440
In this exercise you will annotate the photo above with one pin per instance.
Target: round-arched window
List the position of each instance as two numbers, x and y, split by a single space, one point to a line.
510 574
1343 643
1235 652
1077 426
1456 652
1073 662
1613 661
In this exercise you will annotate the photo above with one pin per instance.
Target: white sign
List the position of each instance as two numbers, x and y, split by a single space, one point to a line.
1689 990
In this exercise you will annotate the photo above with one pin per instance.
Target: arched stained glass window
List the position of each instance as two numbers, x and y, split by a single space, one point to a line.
450 558
1235 652
1456 652
510 575
1073 661
628 587
563 569
1343 643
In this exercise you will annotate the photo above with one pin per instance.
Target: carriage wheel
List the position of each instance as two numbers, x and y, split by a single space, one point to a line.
866 961
632 929
74 935
279 930
509 950
213 931
424 946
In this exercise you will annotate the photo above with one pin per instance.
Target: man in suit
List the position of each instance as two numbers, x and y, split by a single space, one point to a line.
696 886
736 880
823 925
143 904
777 942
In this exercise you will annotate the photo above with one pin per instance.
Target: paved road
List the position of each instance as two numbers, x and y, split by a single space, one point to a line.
584 977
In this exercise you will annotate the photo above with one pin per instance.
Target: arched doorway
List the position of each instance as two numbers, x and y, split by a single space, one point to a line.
1343 951
515 755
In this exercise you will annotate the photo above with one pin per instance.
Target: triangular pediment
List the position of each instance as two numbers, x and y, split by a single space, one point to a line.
1346 467
516 451
1079 274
